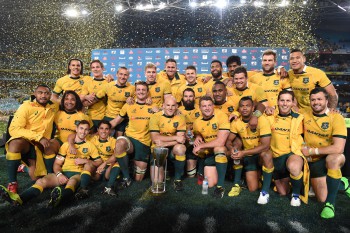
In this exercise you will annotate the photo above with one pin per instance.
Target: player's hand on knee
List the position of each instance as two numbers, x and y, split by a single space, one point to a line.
101 168
44 142
62 179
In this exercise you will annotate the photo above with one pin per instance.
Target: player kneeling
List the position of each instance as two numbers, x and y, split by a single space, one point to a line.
109 169
68 170
255 143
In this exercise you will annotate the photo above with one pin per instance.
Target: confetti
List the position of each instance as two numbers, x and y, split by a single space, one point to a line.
37 38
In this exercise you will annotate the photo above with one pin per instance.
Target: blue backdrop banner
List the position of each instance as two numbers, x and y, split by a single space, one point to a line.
135 59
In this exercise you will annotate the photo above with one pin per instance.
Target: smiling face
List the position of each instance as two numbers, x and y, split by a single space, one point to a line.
207 108
151 74
216 70
170 69
82 131
240 80
69 103
97 70
190 75
268 64
169 106
318 103
285 103
122 76
103 131
141 92
75 68
297 62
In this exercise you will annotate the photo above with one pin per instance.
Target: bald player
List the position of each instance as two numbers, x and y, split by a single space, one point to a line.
168 130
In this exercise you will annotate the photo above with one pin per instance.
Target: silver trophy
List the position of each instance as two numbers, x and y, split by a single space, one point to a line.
160 155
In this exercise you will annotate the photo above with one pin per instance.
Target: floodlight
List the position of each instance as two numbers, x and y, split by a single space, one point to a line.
71 12
119 8
221 4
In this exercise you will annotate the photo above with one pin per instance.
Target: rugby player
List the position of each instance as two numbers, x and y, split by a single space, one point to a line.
191 113
96 107
137 138
168 130
211 131
74 80
157 90
171 76
255 144
191 82
117 93
305 78
270 80
325 136
30 131
68 170
286 143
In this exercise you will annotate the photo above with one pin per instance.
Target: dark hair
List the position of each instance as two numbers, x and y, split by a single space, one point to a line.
191 68
286 92
83 122
104 122
75 59
216 61
232 59
43 85
239 70
219 83
170 60
188 89
141 83
296 51
205 98
97 61
245 98
78 103
318 90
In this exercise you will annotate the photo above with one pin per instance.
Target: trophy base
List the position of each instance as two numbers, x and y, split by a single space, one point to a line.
158 188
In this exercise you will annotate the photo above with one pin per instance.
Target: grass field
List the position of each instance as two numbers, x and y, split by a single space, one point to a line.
136 210
3 126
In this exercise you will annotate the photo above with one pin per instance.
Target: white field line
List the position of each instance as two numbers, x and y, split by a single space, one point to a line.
344 229
210 225
298 227
274 226
88 209
181 223
127 222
